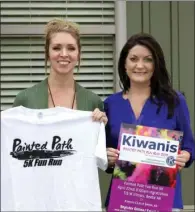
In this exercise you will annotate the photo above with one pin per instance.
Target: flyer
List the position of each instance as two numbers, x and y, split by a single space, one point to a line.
144 176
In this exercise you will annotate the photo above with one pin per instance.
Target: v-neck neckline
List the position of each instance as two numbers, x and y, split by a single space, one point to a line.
139 119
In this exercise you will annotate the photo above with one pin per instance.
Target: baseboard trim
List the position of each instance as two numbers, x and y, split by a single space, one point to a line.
189 207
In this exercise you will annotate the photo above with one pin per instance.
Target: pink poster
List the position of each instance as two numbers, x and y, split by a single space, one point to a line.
144 177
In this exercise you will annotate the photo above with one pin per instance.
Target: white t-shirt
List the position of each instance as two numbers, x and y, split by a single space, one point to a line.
50 160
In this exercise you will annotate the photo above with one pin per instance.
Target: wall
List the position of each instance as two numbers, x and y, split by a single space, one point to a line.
173 25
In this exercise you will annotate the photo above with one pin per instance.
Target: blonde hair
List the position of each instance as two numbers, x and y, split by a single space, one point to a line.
60 25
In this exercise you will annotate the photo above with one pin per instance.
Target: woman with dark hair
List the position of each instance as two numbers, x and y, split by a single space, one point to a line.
147 98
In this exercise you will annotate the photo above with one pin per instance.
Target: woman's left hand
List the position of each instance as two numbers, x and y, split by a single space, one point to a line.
182 159
98 115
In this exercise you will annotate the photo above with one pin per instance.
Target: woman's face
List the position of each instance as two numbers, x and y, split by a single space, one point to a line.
63 53
139 65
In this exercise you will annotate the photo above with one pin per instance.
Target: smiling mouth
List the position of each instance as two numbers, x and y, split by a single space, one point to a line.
135 72
63 62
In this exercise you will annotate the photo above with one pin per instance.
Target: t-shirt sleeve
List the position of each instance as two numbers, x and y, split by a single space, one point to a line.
100 153
183 120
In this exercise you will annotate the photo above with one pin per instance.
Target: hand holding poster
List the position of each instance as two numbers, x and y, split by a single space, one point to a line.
145 175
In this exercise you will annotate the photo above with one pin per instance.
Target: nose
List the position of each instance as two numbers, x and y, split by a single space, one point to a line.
64 52
140 64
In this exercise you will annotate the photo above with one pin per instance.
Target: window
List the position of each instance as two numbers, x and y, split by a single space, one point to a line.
22 45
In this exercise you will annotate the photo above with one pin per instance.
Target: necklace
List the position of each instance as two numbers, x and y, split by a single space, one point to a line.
53 99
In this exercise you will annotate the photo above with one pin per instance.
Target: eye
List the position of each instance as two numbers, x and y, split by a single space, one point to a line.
148 59
56 48
133 59
71 48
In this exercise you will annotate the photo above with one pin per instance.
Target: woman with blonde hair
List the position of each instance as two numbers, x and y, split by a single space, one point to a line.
63 52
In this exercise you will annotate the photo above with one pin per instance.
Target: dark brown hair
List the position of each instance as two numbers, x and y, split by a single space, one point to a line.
160 84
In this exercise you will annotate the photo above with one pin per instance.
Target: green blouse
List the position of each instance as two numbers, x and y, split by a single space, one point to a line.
36 97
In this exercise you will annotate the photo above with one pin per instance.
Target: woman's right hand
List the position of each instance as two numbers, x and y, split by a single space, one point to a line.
112 155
